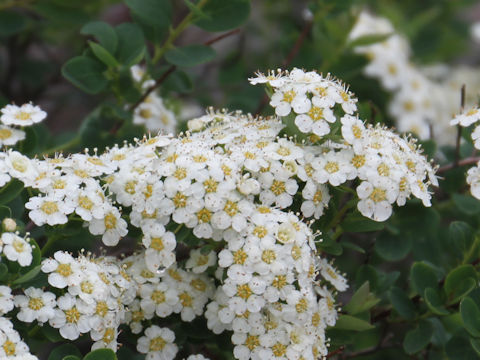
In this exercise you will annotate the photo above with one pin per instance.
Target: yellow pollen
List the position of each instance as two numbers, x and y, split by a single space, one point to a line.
157 344
200 158
471 112
148 191
279 349
278 187
198 284
296 252
288 96
179 200
230 208
130 187
227 171
22 115
137 316
72 315
331 273
204 215
262 144
101 308
316 319
171 158
185 299
20 165
86 287
410 165
118 157
95 161
283 151
252 342
147 274
9 348
279 281
180 173
260 231
321 91
35 303
408 105
392 69
301 306
49 207
344 96
317 198
331 167
315 113
85 202
145 113
157 243
202 260
383 170
239 257
249 155
64 270
268 256
110 221
158 297
358 161
108 336
210 185
18 245
309 170
59 184
5 134
378 195
264 210
357 132
81 173
402 186
175 274
244 291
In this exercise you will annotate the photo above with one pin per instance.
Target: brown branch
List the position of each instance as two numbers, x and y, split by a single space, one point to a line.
459 128
172 68
467 161
288 60
336 352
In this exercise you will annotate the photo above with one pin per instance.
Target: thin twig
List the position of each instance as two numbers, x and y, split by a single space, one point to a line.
172 68
336 352
288 60
459 128
467 161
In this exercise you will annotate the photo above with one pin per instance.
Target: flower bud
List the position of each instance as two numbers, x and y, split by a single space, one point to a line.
8 224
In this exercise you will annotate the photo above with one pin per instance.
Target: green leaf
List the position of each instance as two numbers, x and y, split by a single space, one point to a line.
361 300
71 357
10 191
85 73
422 276
470 316
63 350
179 81
190 55
434 302
461 236
28 276
459 282
416 339
51 333
101 354
459 348
475 345
5 212
357 223
3 271
104 33
401 303
393 248
466 204
102 54
131 45
353 246
11 23
221 15
155 13
347 322
368 40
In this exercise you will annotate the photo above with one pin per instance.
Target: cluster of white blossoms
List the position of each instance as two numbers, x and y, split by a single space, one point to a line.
14 117
152 112
224 213
466 119
424 98
11 345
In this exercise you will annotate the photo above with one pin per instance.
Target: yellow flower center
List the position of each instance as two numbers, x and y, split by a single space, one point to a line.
315 113
357 132
244 291
288 96
18 245
383 169
108 336
317 198
252 342
35 303
239 257
64 269
179 200
20 165
260 231
145 113
278 187
157 344
378 195
198 285
72 315
23 115
279 349
180 173
86 287
49 207
268 256
279 281
9 348
157 243
130 187
185 299
158 297
231 208
331 167
5 134
110 221
101 308
358 161
210 185
204 215
85 202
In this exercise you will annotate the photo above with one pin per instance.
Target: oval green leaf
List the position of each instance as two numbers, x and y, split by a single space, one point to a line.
418 338
85 73
63 350
101 354
190 55
104 33
422 276
470 316
131 44
459 282
401 303
221 15
434 302
392 248
10 191
347 322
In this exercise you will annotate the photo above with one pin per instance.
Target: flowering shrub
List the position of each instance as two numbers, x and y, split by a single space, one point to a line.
306 227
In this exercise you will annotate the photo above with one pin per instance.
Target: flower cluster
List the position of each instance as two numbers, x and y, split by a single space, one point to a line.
152 112
11 345
216 232
424 99
14 116
466 119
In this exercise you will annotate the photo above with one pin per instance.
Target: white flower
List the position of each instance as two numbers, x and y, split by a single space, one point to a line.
10 136
17 249
6 299
64 270
375 201
48 210
158 299
68 319
24 115
112 227
157 344
159 247
36 304
467 118
199 262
